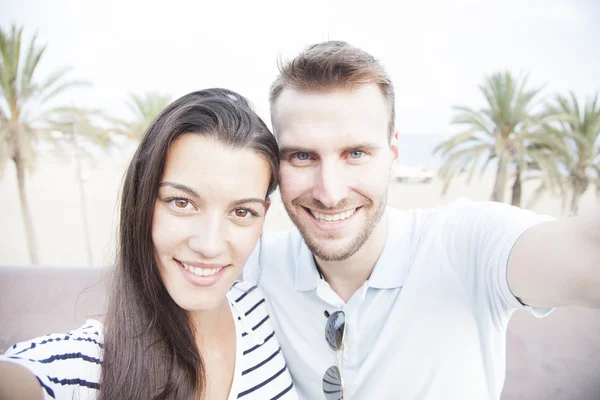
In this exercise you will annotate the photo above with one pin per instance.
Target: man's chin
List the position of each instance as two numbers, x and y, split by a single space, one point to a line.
330 249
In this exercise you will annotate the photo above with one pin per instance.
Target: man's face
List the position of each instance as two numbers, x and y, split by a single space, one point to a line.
335 165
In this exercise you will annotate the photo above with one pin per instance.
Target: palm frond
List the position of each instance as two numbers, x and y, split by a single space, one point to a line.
23 115
50 93
10 49
144 108
34 55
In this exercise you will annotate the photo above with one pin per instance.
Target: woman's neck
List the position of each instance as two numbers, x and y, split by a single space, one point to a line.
210 325
216 340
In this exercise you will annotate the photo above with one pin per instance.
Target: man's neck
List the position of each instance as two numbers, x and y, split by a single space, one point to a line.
347 276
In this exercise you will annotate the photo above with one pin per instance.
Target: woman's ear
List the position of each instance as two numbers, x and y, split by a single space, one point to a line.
267 205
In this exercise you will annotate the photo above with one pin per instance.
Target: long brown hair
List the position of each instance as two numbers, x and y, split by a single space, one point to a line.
149 344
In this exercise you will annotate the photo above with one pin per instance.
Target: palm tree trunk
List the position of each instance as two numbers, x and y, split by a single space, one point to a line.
29 234
517 189
574 203
578 189
500 183
579 184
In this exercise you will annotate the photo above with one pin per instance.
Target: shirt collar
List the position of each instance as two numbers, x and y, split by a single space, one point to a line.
391 268
307 275
393 264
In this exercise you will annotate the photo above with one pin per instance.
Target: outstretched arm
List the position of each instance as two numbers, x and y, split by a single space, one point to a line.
18 383
558 264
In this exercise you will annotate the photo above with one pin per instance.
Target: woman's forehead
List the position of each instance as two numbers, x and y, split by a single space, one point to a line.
215 169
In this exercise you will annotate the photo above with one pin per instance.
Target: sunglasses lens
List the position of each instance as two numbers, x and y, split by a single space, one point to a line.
332 384
334 330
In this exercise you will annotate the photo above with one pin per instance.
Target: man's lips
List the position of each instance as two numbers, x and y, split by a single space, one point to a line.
332 216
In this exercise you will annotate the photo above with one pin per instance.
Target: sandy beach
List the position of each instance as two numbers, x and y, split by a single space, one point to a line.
56 207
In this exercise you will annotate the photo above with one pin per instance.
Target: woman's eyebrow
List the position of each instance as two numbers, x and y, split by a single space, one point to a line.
249 200
193 193
181 187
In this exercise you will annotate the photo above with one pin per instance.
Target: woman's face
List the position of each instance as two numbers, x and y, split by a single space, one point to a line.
208 217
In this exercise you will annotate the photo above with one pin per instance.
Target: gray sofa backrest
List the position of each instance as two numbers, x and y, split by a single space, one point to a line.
35 301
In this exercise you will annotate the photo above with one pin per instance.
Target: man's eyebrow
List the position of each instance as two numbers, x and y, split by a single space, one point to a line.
285 150
361 146
293 149
181 187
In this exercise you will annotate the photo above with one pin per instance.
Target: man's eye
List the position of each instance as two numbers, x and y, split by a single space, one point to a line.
356 154
302 156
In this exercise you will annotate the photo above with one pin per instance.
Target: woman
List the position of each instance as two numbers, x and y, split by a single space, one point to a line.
178 325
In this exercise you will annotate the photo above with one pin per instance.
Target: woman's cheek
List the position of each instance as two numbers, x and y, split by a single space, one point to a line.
244 240
167 229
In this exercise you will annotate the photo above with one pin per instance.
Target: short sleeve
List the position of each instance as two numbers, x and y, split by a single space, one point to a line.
66 365
481 236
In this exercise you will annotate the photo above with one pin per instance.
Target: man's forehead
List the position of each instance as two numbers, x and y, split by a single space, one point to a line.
348 116
296 101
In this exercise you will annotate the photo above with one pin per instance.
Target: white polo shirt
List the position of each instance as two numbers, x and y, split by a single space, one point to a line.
430 323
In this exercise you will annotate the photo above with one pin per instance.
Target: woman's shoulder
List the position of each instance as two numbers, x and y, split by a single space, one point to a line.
64 363
263 370
88 336
244 291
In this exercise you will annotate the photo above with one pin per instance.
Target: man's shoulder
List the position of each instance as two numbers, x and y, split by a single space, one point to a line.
418 223
463 211
457 208
463 222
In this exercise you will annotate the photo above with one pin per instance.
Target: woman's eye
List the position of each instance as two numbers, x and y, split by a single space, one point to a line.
241 213
181 203
245 213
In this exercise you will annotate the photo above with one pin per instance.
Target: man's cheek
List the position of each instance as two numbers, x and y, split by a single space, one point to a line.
293 182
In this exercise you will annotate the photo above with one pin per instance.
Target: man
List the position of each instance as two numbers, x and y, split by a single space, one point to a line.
426 295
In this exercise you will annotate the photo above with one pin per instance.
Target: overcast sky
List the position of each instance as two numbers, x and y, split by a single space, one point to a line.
436 52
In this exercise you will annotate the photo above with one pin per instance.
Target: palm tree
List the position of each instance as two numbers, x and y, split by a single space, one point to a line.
144 109
503 132
580 159
23 112
77 129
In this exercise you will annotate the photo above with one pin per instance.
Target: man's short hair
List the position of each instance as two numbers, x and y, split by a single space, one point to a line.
333 65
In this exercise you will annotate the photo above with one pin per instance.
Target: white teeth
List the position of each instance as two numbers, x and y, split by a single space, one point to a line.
333 218
201 271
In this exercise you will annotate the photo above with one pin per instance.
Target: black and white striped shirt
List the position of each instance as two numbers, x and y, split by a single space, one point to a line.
68 365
